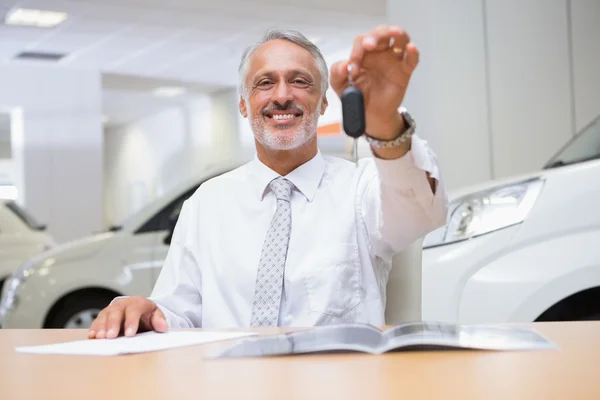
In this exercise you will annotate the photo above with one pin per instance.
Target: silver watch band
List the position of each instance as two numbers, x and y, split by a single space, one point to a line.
402 138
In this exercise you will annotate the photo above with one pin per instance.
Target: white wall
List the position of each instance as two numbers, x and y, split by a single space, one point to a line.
147 158
57 145
447 95
585 29
494 93
136 157
529 82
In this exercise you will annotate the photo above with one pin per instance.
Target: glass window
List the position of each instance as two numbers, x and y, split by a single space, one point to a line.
167 217
585 146
24 216
161 220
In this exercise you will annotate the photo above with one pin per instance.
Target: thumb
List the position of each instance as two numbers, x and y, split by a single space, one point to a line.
158 321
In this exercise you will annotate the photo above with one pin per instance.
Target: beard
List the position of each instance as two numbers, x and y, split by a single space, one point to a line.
275 139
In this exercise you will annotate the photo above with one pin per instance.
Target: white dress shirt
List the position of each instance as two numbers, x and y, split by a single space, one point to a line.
348 220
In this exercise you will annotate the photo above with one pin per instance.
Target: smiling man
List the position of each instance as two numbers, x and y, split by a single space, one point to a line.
296 238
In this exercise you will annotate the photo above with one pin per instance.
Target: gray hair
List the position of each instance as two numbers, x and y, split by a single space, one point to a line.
291 36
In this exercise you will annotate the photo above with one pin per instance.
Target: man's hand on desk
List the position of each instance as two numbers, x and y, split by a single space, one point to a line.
128 315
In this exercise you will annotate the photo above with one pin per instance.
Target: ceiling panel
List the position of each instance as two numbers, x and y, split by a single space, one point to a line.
74 8
90 25
64 43
200 41
9 49
9 33
108 51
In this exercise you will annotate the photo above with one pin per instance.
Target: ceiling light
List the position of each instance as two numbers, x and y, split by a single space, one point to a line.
37 18
169 91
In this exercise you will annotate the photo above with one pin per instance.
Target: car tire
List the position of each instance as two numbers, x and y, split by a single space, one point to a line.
78 311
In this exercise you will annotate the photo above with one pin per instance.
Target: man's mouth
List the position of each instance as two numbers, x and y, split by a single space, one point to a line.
283 116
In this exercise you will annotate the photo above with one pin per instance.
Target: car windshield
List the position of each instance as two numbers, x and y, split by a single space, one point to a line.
24 216
585 146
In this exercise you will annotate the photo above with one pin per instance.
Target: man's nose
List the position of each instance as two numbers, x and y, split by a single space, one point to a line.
283 94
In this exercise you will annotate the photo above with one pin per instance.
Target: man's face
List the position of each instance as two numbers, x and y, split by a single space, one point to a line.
283 93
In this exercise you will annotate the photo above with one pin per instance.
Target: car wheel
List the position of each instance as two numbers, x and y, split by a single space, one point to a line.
79 311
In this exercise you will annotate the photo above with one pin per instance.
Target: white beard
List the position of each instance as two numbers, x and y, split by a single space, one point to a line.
272 139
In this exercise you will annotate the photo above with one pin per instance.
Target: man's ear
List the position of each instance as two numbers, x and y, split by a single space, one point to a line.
324 104
242 106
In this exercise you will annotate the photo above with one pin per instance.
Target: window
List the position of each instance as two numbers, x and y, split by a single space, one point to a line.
160 221
24 216
167 217
583 147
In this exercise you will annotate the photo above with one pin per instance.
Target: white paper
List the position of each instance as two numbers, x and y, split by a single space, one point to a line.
140 343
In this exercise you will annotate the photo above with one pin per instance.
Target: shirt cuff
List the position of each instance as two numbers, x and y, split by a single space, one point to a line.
409 171
408 175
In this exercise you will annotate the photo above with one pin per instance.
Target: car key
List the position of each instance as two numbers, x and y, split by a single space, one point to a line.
353 109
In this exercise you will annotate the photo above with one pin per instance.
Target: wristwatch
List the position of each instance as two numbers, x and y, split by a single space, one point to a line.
402 137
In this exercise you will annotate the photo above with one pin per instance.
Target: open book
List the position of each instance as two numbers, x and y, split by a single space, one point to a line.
369 339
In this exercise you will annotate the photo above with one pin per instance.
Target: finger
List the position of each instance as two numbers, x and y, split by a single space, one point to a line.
98 327
377 39
412 58
159 322
132 320
357 54
384 38
398 39
93 329
339 76
113 323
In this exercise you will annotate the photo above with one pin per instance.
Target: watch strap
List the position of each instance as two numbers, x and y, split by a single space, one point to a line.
400 139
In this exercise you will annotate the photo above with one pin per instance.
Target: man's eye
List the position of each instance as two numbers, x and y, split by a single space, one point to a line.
300 82
264 83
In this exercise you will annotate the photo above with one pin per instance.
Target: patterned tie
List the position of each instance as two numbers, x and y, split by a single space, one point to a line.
269 278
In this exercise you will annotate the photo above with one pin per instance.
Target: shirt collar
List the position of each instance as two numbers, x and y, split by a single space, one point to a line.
306 178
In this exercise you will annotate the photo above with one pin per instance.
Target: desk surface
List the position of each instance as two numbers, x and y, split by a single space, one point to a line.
572 372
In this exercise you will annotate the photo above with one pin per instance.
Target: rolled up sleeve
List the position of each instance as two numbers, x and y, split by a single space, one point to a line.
398 205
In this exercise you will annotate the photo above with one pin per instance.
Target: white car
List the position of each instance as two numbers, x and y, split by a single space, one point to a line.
523 249
67 286
520 250
21 237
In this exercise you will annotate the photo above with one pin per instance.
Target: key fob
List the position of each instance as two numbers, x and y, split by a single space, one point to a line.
353 112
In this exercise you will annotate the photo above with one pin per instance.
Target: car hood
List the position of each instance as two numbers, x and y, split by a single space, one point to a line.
84 247
471 189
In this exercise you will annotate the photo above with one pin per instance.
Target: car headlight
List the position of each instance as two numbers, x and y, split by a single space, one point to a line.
11 285
486 211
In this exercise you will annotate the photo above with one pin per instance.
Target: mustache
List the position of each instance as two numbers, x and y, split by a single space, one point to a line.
278 107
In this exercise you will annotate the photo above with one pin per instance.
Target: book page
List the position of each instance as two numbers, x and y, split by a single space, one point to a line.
434 329
434 335
141 343
333 338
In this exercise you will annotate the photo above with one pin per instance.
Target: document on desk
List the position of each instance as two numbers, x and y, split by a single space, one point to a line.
141 343
420 336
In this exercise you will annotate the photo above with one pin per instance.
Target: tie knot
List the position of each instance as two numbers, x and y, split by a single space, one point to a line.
282 188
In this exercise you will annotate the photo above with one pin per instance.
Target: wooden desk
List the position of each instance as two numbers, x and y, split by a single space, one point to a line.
572 372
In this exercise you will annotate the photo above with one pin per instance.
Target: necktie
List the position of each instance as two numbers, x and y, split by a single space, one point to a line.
269 277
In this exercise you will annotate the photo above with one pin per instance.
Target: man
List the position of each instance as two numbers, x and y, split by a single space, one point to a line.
293 237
